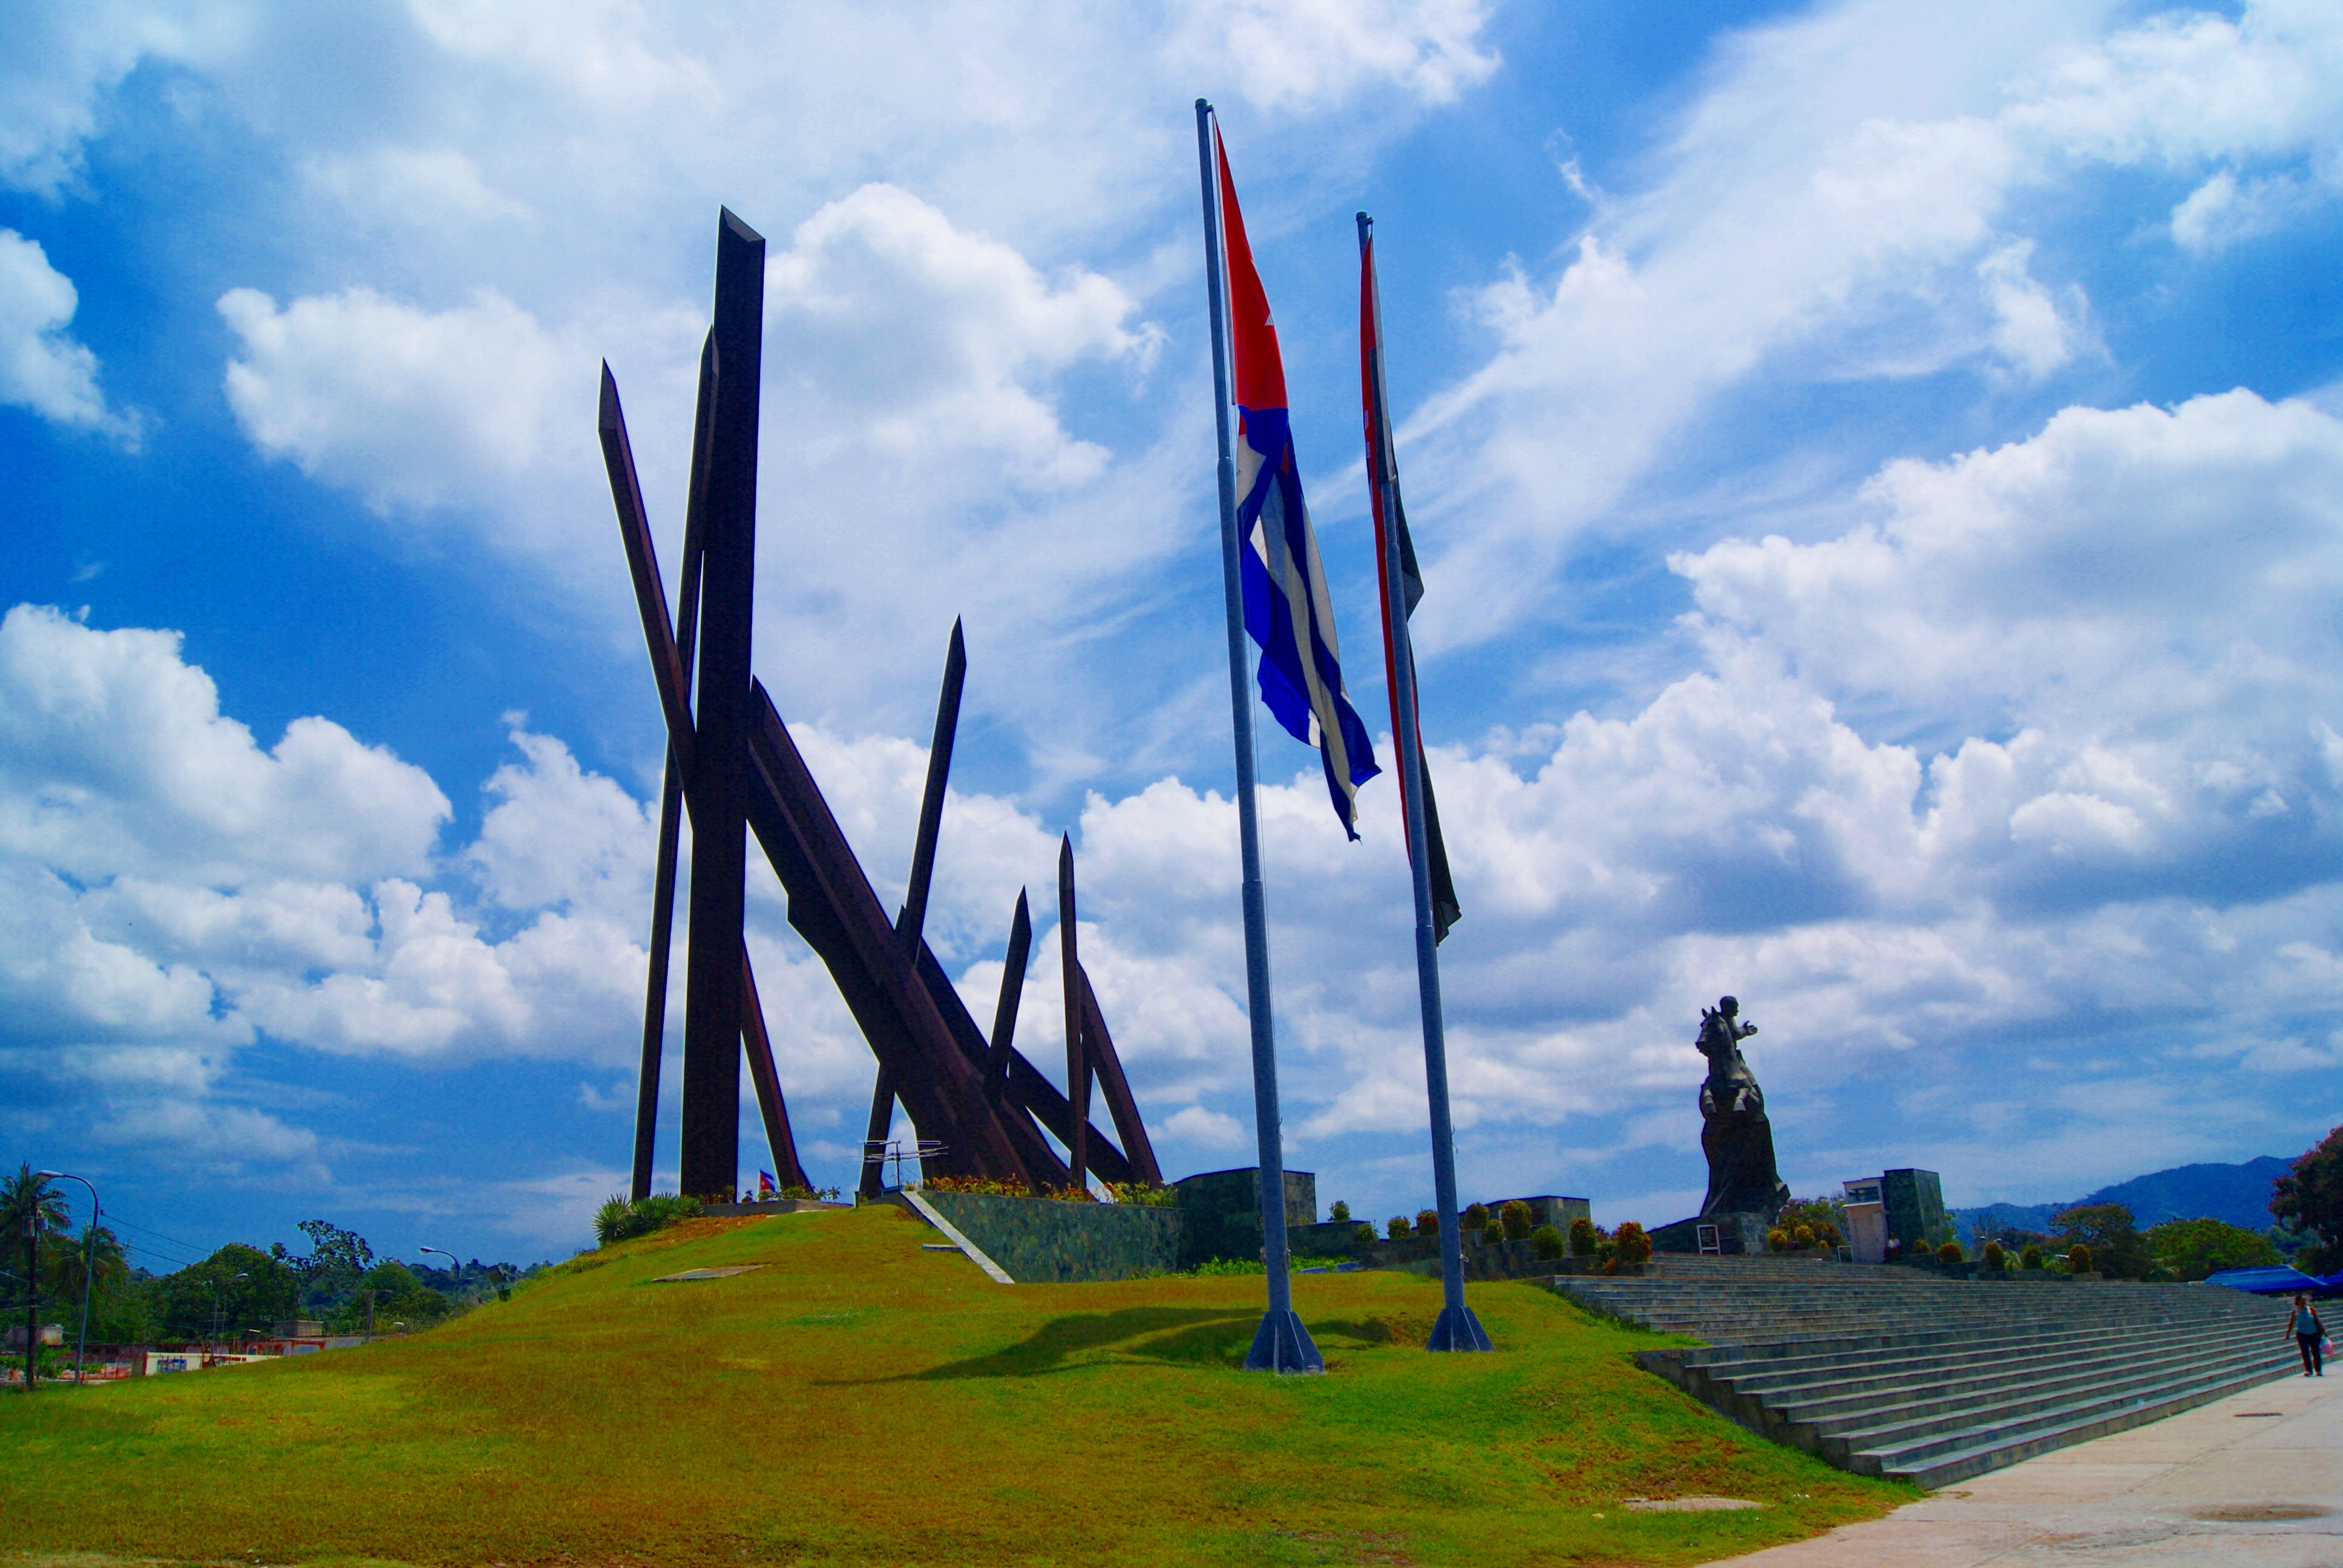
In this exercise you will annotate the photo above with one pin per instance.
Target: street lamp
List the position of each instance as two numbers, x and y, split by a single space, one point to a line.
455 1272
88 1269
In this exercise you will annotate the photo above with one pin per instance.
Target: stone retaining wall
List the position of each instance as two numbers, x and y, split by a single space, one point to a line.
1039 1241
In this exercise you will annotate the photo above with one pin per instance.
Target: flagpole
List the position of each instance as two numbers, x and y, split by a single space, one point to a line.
1280 1343
1456 1328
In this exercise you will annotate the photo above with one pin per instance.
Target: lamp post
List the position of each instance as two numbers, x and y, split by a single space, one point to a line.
88 1268
454 1271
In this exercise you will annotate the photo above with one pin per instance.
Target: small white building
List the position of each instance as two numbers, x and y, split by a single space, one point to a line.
1866 1220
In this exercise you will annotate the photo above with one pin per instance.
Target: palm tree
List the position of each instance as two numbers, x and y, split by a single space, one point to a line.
25 1195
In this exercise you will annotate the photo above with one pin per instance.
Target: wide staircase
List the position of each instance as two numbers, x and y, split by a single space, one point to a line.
1896 1372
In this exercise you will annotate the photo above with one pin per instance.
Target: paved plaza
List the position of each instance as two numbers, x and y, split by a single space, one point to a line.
2254 1481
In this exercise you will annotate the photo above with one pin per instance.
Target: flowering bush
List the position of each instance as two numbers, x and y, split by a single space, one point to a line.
1517 1219
1397 1228
1634 1244
1777 1240
1950 1252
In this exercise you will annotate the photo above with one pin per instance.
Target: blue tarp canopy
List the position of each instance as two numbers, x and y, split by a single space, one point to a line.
2278 1282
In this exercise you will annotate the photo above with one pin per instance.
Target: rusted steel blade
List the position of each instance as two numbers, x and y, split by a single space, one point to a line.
714 783
1012 989
642 562
1120 1103
874 1138
912 922
1078 1076
695 509
786 1170
1025 1134
844 921
646 1081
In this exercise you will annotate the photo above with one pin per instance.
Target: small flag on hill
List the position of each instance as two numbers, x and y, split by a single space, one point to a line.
765 1183
1287 610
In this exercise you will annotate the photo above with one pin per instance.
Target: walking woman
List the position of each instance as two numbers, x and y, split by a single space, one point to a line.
2307 1330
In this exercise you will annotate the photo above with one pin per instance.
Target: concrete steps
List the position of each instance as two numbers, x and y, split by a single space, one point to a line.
1895 1372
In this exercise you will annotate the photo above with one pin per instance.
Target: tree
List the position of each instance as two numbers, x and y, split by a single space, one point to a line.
2309 1196
269 1290
337 1259
2117 1249
398 1297
24 1194
1815 1212
2193 1249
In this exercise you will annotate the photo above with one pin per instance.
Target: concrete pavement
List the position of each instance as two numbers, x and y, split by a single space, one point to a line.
2254 1481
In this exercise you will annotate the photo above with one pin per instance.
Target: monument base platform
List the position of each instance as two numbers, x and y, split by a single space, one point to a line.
1735 1235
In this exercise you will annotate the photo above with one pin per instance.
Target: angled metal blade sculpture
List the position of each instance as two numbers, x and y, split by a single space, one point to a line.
733 767
671 672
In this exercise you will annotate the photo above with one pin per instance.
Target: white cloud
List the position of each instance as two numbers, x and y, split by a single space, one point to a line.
925 336
58 61
1293 54
1205 1129
2030 331
1813 217
115 758
41 367
407 407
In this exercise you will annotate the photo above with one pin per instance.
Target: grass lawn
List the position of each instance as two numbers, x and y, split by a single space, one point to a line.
858 1400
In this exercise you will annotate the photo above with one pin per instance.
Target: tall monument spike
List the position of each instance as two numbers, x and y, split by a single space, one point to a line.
711 998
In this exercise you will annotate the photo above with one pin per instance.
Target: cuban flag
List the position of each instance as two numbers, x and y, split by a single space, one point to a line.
765 1183
1287 610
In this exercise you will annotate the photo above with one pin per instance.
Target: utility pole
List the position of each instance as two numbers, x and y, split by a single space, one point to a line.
32 1288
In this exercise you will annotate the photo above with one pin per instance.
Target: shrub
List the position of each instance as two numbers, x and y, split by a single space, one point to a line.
1071 1195
2031 1258
1583 1237
1476 1216
1397 1229
1828 1235
1366 1235
982 1186
1427 1223
619 1220
1633 1244
1546 1242
1492 1232
1517 1219
1147 1195
1950 1252
1340 1213
1777 1240
1804 1236
1995 1258
2078 1259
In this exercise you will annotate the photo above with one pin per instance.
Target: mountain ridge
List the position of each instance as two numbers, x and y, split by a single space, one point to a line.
2235 1194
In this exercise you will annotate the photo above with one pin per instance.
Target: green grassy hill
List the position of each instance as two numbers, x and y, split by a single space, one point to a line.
858 1400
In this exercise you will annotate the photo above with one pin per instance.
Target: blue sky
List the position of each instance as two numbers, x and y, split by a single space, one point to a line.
1878 474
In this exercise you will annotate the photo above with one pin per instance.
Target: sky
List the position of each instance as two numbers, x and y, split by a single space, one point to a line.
1878 472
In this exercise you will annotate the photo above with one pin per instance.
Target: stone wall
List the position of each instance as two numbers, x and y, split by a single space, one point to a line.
1039 1241
1222 1209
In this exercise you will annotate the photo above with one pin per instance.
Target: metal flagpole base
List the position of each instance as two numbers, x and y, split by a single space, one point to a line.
1282 1345
1456 1329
